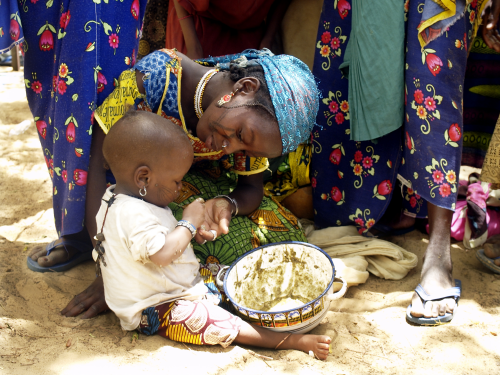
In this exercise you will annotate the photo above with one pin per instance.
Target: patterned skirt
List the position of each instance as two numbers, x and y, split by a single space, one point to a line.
353 182
270 222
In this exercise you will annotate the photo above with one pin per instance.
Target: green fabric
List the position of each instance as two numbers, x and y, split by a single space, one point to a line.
208 179
374 64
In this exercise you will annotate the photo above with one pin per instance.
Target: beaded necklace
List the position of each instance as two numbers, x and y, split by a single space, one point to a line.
200 89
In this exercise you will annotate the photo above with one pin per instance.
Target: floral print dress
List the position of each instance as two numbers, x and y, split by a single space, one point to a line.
74 51
353 181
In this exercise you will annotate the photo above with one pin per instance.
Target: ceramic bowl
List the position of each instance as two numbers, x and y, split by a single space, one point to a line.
297 320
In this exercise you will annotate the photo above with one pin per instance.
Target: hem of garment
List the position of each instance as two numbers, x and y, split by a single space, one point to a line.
408 184
12 45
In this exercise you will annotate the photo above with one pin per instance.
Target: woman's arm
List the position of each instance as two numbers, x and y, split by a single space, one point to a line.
274 19
248 196
248 193
490 25
193 45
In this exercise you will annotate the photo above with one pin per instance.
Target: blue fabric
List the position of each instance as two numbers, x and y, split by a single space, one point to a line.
292 87
153 321
11 30
352 181
73 52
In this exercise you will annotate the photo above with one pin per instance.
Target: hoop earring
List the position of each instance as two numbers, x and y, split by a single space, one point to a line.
145 192
226 98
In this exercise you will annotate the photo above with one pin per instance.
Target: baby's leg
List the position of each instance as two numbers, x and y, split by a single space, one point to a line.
258 336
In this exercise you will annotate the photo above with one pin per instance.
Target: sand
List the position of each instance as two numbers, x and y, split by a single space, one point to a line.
368 327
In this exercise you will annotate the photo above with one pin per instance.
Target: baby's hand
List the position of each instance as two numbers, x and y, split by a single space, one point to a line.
195 212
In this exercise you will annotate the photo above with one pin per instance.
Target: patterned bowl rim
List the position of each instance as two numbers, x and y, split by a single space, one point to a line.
283 311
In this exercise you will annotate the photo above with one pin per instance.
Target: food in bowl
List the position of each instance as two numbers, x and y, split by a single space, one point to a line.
280 278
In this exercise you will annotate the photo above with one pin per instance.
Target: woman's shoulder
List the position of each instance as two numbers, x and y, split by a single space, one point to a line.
160 59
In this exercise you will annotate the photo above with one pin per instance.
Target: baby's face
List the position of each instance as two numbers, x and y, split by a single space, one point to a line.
166 180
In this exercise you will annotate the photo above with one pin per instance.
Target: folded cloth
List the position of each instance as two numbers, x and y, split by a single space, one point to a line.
355 255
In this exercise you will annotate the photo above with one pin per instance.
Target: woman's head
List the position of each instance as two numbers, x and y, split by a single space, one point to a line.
275 97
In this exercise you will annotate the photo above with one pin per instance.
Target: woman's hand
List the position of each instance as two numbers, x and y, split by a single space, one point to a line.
217 219
490 26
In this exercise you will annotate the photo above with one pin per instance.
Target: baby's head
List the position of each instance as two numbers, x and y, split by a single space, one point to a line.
149 153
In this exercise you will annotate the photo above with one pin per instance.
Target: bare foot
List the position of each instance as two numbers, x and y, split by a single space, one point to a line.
91 301
435 280
59 254
318 344
492 250
437 267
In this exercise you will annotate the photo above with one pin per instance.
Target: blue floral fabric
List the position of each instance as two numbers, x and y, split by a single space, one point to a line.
293 92
353 181
11 29
74 50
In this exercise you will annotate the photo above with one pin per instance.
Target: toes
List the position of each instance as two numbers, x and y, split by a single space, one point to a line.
450 305
37 252
428 310
55 257
417 309
326 339
323 346
442 308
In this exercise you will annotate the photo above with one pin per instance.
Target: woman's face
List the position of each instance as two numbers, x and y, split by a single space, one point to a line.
242 129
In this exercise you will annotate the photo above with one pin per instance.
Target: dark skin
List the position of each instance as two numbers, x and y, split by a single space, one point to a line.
240 129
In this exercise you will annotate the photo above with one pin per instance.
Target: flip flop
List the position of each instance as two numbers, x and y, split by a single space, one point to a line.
488 262
85 254
447 317
387 231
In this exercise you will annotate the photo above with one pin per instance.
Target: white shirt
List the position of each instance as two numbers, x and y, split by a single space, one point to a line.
133 231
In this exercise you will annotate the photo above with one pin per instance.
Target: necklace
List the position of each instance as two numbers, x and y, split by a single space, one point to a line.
200 89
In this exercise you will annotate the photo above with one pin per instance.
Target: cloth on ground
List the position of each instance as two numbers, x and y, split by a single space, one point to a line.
355 255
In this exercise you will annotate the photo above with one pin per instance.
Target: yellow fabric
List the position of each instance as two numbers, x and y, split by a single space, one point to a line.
118 103
297 176
450 8
256 165
124 96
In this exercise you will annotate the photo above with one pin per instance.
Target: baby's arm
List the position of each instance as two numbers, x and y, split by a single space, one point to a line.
177 240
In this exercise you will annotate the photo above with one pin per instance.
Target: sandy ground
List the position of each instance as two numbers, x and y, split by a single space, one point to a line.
368 327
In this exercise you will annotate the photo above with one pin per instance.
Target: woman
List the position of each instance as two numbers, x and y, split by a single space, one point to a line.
73 52
355 166
236 116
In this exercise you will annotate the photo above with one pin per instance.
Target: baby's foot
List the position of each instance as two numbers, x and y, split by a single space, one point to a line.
318 344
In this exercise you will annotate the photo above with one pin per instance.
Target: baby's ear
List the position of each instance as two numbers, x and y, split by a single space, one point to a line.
142 175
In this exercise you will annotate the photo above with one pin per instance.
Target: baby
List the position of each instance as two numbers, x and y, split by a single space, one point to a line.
151 275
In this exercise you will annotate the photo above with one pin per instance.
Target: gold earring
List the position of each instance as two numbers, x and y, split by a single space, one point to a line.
225 99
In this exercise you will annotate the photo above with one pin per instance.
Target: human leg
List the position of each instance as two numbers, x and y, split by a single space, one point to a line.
261 337
436 275
203 323
96 186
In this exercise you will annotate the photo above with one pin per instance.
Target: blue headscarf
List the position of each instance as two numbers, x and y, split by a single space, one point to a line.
292 87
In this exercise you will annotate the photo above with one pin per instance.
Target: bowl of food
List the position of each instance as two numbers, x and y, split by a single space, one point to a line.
285 286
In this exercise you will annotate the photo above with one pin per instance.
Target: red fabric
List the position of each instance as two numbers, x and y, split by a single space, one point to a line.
223 26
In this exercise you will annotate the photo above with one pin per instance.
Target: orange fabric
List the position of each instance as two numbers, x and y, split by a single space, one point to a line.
223 26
